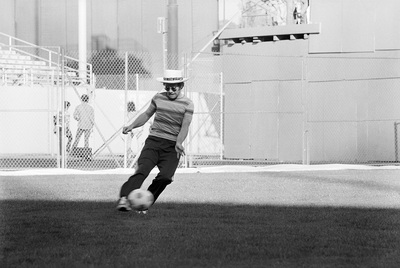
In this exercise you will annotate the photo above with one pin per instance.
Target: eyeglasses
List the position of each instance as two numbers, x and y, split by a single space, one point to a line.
172 87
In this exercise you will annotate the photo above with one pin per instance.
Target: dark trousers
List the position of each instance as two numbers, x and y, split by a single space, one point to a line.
79 133
156 152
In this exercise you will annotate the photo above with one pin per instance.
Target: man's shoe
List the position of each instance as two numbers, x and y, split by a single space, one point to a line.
123 204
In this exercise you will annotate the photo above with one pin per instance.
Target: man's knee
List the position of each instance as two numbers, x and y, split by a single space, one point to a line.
163 179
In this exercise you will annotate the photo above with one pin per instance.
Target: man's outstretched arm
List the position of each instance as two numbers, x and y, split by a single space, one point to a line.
140 120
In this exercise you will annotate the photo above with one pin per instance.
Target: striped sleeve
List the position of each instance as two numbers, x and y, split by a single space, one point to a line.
153 106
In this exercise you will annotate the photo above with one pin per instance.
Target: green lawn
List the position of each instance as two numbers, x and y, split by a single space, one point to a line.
212 232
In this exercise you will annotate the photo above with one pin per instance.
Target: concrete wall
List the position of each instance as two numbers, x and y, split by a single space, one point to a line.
340 87
355 26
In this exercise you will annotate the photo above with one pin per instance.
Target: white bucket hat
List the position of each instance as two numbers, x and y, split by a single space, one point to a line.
172 77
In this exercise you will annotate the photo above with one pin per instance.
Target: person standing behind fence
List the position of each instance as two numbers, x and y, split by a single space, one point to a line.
58 124
84 114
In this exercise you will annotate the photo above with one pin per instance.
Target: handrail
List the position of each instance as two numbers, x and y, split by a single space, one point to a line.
53 56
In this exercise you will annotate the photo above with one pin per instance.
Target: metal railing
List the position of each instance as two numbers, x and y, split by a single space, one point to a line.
51 56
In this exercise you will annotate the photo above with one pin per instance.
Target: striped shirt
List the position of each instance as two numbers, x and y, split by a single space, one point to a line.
169 115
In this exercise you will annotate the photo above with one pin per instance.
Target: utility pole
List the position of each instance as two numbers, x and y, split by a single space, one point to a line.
161 29
172 35
82 39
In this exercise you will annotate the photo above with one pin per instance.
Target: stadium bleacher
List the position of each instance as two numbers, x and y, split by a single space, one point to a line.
17 69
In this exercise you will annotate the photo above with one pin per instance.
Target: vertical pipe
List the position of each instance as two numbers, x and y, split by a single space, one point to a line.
161 29
57 108
304 83
165 49
63 132
221 86
82 38
304 147
15 21
396 146
185 143
126 110
224 13
172 45
37 26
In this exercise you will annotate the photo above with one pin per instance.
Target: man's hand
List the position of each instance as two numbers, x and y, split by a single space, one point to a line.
126 130
179 149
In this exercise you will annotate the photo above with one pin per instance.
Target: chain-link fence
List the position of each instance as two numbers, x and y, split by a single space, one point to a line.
311 109
122 80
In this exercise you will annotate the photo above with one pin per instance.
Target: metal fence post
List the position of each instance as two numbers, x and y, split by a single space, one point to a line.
304 84
221 86
185 143
126 110
396 145
63 126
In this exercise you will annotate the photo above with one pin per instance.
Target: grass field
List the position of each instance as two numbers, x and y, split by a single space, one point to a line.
341 218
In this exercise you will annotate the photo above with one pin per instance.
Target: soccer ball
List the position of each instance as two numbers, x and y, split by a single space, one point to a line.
141 199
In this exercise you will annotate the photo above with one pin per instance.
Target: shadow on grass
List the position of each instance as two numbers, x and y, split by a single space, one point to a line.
79 234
